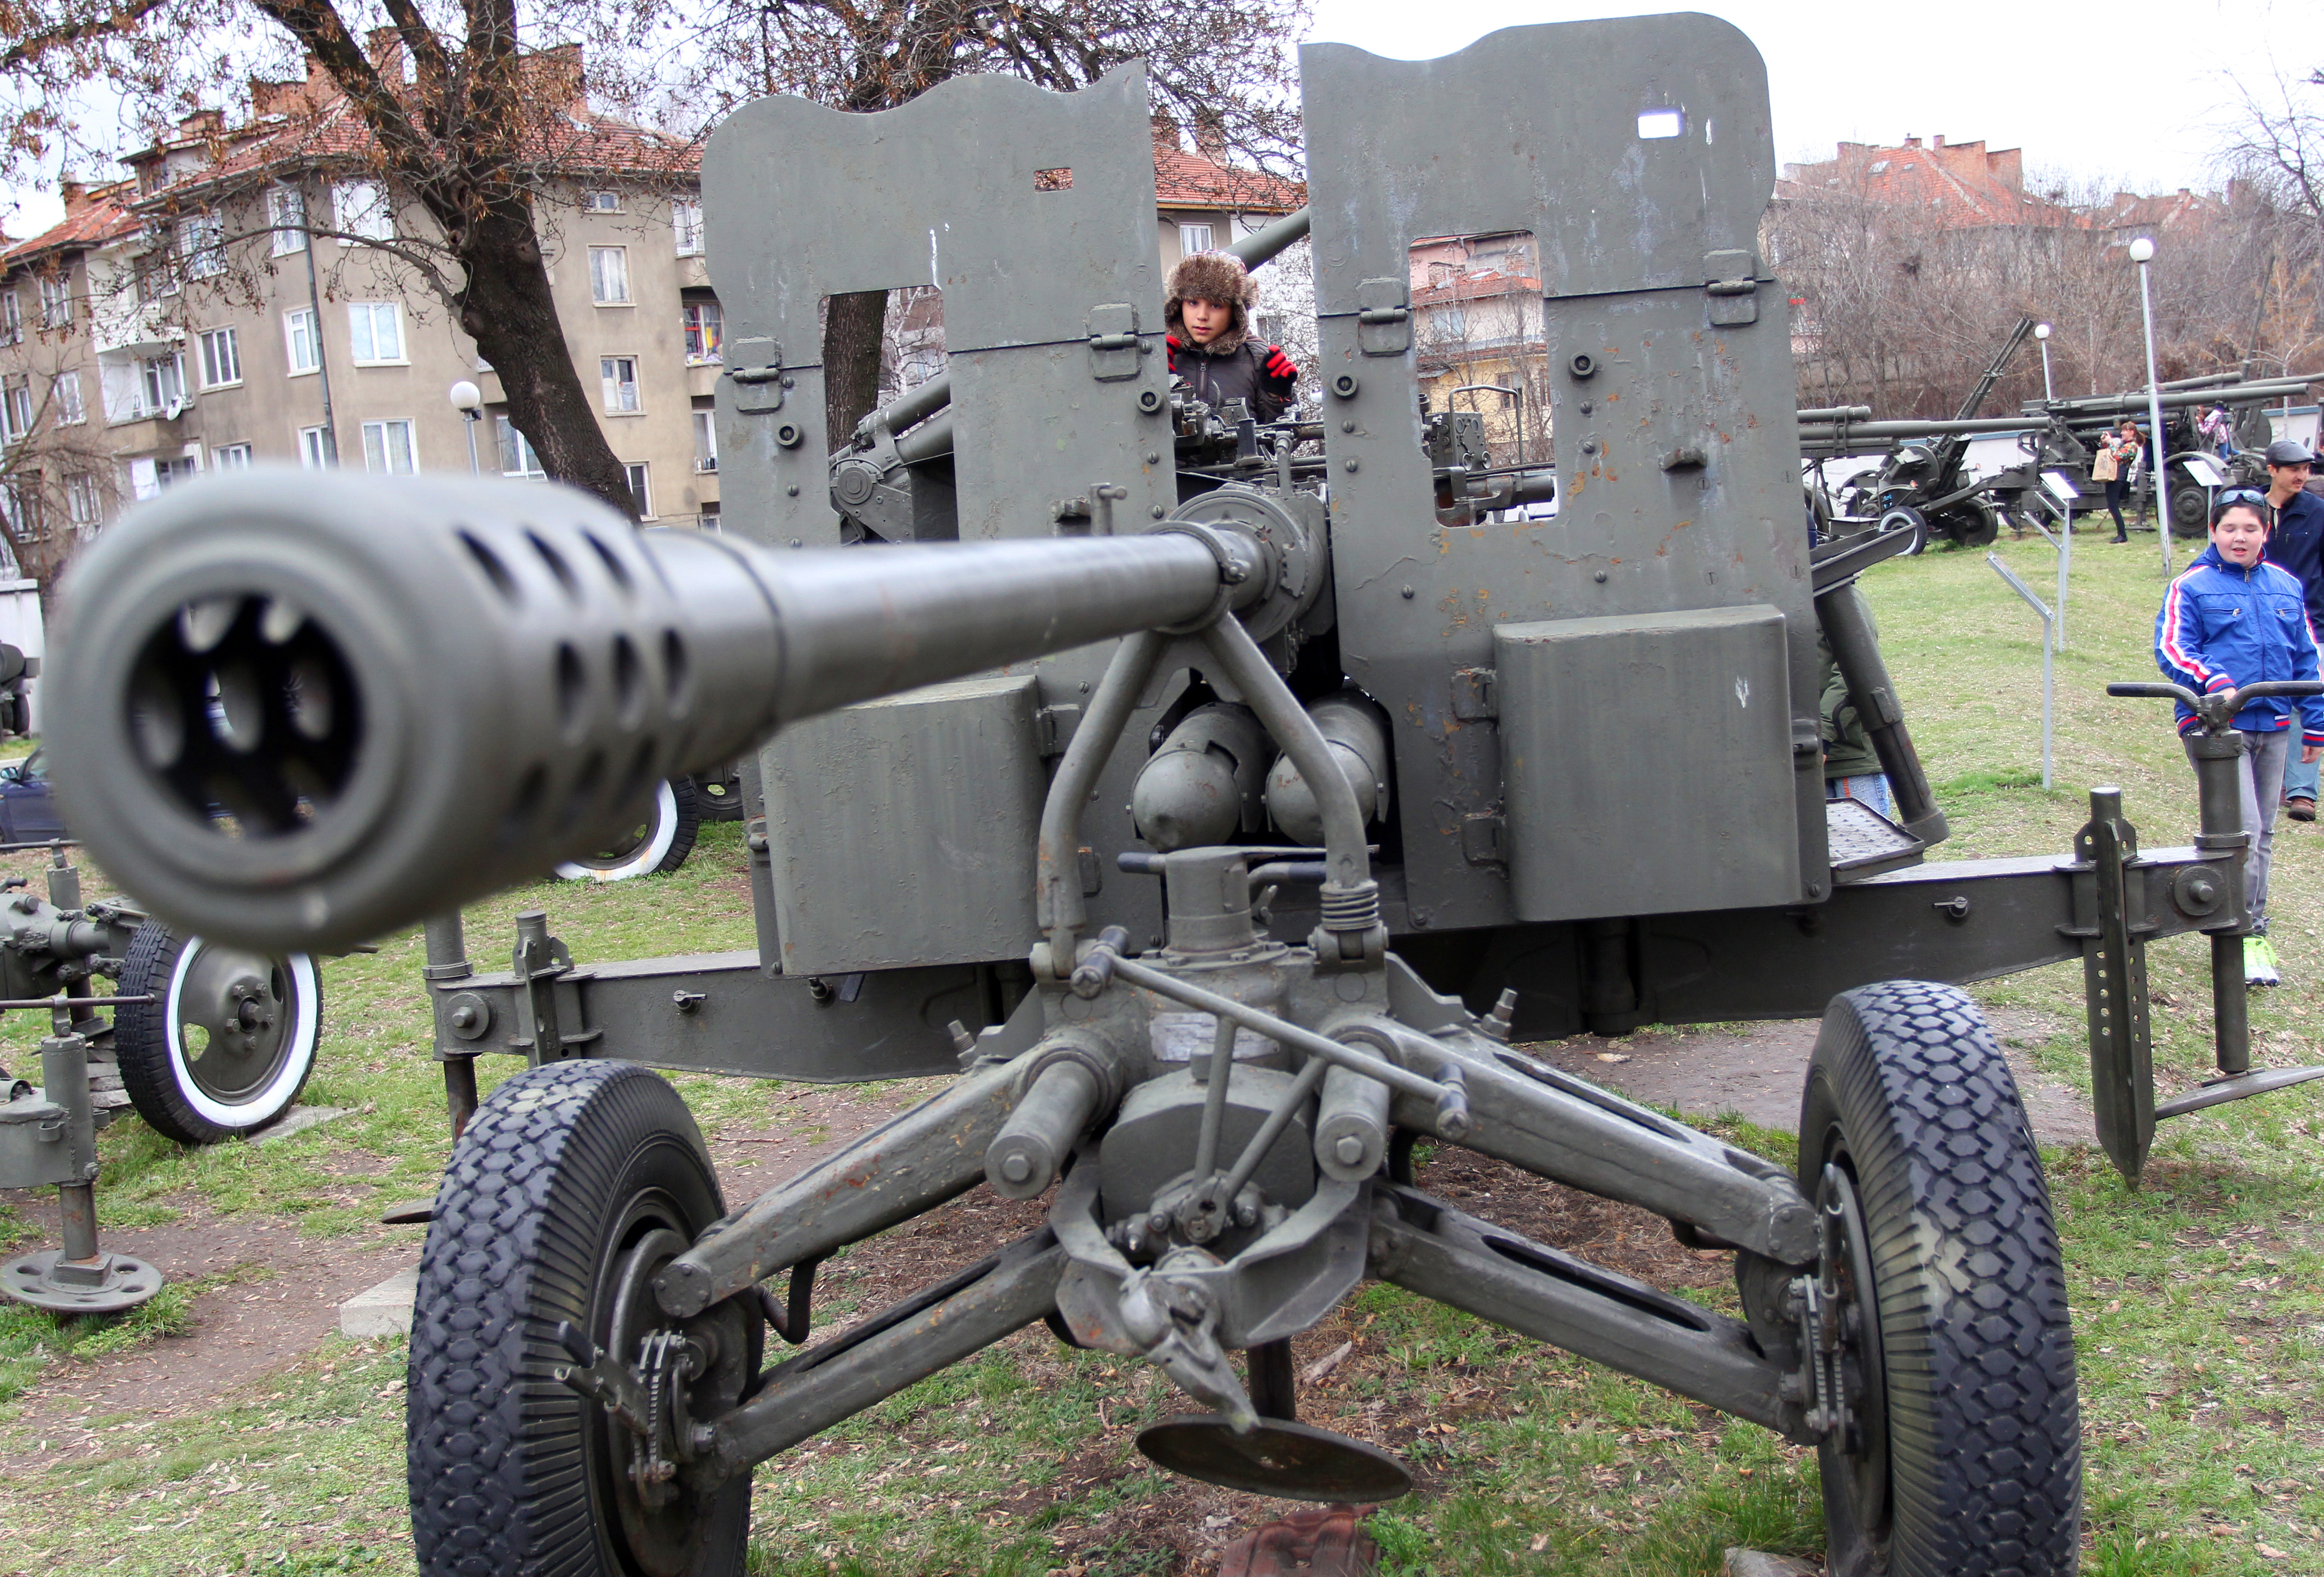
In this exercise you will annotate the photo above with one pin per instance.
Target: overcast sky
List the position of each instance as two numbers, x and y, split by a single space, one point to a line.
2133 91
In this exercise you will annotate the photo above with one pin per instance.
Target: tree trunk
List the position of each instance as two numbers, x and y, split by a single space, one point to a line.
852 328
507 308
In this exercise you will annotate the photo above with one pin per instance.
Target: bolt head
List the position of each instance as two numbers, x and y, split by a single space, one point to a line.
464 1016
1016 1166
1349 1150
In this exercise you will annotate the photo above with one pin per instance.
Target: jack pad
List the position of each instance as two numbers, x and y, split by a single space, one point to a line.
1291 1461
105 1286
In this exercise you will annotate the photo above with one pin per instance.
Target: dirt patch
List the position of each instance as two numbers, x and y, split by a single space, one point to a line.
283 1301
1759 1072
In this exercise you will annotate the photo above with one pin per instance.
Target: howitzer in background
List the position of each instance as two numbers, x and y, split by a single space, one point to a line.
1403 789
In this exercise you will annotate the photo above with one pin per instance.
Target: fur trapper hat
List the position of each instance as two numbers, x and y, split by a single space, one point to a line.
1212 276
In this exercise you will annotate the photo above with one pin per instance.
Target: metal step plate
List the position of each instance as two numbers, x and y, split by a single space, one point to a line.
1864 843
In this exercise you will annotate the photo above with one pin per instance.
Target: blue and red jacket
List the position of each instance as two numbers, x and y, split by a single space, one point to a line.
2222 625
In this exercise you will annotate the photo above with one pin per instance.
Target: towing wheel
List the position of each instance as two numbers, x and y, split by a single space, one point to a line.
1961 1455
718 794
1970 523
657 844
2191 508
227 1042
573 1186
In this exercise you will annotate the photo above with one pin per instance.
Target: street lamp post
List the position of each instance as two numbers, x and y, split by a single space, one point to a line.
2042 333
2142 252
469 402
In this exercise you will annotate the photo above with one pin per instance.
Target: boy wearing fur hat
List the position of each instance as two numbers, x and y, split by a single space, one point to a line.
1208 314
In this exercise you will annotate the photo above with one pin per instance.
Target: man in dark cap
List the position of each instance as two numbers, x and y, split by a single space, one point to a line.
2297 543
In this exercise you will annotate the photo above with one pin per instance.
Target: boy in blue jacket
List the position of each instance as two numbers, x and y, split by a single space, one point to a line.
2233 619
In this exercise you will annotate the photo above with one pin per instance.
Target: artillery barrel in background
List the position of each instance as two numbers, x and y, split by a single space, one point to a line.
294 712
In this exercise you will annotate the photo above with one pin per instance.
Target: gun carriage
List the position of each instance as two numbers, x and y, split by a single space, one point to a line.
1410 789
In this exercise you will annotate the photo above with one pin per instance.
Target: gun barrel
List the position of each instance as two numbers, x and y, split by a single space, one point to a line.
2135 403
295 712
1814 431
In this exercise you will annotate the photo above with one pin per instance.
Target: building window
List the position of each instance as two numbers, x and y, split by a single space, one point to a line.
12 319
20 499
686 223
517 459
639 492
56 300
705 328
286 210
157 278
305 346
315 449
361 207
201 242
376 332
387 447
602 202
161 385
232 457
609 275
16 409
705 440
221 358
80 499
619 374
1193 238
65 392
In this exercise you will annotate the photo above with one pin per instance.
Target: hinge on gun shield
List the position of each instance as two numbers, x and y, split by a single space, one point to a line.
1113 343
1384 316
755 368
1731 280
1474 698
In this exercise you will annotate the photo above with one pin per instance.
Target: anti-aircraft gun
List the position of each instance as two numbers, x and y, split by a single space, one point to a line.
2071 428
1925 466
1409 793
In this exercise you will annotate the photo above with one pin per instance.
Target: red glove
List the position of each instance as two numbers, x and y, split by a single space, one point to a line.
1278 366
1170 351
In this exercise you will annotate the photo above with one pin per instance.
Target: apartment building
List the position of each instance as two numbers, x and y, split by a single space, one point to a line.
245 297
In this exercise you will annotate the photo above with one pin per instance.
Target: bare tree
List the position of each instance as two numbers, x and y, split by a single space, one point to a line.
56 472
1225 70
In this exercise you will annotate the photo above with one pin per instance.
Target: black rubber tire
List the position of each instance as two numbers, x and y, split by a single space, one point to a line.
655 847
200 1099
2190 509
510 1471
718 795
1970 523
1910 1097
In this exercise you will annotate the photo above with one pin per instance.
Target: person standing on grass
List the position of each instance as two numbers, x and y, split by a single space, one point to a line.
2233 619
2297 544
2118 452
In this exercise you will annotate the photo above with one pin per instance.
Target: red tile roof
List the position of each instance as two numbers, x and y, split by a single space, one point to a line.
1964 183
1195 180
1479 285
99 219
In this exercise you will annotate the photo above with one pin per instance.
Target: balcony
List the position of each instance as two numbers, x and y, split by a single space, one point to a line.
143 330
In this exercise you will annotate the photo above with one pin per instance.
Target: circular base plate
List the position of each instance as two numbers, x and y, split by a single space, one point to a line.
118 1283
1292 1462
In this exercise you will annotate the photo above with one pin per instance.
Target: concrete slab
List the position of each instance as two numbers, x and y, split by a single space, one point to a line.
1759 1563
385 1310
298 1119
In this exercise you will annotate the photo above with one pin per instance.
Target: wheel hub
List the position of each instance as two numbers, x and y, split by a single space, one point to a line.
230 1022
1841 1326
657 1385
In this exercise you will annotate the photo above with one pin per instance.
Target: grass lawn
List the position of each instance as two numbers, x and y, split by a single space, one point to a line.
2197 1308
